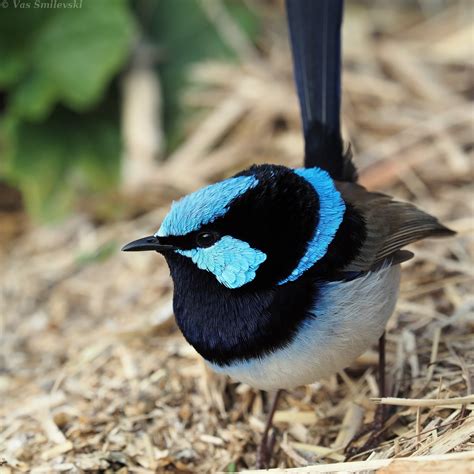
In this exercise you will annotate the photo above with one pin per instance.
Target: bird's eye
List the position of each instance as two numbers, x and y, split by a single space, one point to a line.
206 239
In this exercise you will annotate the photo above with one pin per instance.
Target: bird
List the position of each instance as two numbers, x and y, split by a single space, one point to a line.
285 276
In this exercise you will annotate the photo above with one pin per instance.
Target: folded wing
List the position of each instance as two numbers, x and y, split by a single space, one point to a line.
390 225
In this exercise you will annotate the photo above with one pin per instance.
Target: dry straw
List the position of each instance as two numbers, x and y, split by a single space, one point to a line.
96 376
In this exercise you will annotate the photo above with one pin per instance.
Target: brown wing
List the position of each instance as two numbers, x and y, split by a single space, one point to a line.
390 225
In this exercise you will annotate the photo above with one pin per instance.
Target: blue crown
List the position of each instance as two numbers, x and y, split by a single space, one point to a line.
204 206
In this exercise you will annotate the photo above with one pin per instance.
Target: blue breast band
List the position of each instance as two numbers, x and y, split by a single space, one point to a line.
331 213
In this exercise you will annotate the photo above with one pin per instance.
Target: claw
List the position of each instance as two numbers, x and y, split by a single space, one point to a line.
265 451
377 433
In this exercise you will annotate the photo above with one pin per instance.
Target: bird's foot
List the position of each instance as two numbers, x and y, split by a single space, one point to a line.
377 433
265 450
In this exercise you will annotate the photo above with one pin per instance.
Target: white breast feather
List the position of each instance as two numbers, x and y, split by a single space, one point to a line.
349 318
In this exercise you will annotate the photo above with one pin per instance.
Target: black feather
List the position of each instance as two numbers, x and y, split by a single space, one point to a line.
226 325
315 33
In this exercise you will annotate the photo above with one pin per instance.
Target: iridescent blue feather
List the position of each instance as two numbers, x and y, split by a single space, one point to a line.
331 213
232 261
204 206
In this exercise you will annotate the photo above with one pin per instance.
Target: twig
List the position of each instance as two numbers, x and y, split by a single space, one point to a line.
424 402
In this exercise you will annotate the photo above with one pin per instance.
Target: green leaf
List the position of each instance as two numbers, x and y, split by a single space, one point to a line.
56 161
18 28
65 56
34 98
80 50
62 55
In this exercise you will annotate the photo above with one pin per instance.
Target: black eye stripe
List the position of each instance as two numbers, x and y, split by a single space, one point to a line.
189 241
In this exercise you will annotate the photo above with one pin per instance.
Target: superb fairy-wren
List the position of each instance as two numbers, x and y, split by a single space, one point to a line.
284 276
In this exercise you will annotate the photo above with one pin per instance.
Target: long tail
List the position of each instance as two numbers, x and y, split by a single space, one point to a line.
315 33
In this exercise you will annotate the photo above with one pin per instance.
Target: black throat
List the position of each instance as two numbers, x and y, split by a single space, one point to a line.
226 325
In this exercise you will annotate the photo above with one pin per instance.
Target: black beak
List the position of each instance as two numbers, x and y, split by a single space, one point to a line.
147 243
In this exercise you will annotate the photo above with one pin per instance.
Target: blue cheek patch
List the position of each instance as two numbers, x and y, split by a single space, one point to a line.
232 261
331 213
204 206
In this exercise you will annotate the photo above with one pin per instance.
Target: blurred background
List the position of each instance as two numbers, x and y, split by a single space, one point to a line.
111 109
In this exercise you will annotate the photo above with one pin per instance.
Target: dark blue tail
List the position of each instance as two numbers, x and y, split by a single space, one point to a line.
315 33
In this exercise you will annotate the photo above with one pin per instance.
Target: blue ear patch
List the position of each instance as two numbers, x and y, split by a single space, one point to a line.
204 206
232 261
331 213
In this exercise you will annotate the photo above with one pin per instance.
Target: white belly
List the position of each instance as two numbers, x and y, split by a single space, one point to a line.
349 318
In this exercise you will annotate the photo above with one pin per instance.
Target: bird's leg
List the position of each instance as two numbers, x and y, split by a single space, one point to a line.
376 427
267 443
379 417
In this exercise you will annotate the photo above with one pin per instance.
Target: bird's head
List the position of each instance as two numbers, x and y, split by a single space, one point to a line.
262 227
